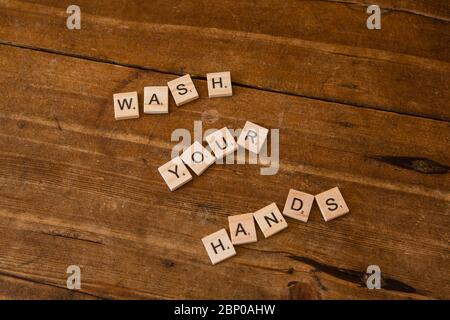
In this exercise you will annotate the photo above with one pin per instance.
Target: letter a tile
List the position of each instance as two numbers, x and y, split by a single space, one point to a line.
270 220
242 228
175 173
218 246
156 100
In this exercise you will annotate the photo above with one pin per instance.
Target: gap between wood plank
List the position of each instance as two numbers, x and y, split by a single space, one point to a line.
197 77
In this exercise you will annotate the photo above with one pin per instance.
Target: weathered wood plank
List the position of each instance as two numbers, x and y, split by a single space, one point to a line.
19 288
433 9
78 187
338 22
318 49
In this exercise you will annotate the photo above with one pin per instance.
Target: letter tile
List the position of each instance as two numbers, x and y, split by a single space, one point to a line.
218 246
221 142
219 84
298 205
198 158
175 173
126 105
156 100
242 228
270 220
183 90
252 137
332 204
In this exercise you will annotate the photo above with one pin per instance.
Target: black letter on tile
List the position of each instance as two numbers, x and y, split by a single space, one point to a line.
214 83
252 134
175 172
219 245
330 202
201 154
240 228
293 204
273 219
154 98
181 89
124 103
225 146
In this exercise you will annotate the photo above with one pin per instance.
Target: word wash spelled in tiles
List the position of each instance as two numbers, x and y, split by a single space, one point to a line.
198 158
218 246
175 173
126 105
298 205
183 90
221 142
156 100
253 137
242 228
219 84
270 220
332 204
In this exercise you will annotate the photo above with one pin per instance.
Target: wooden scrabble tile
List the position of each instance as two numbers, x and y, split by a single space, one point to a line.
331 204
221 142
270 220
156 100
252 137
298 205
175 173
183 90
219 84
126 105
242 228
218 246
198 158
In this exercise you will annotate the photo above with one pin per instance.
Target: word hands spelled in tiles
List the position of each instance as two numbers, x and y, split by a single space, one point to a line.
271 221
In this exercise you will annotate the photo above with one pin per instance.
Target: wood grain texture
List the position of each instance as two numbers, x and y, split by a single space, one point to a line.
316 49
78 187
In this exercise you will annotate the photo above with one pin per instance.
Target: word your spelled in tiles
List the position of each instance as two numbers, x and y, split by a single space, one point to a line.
270 220
156 98
198 158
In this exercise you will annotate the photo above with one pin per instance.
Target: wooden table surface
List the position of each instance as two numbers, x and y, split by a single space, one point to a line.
365 110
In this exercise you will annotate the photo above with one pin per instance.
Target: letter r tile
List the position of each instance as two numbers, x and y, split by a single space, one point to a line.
253 137
175 173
